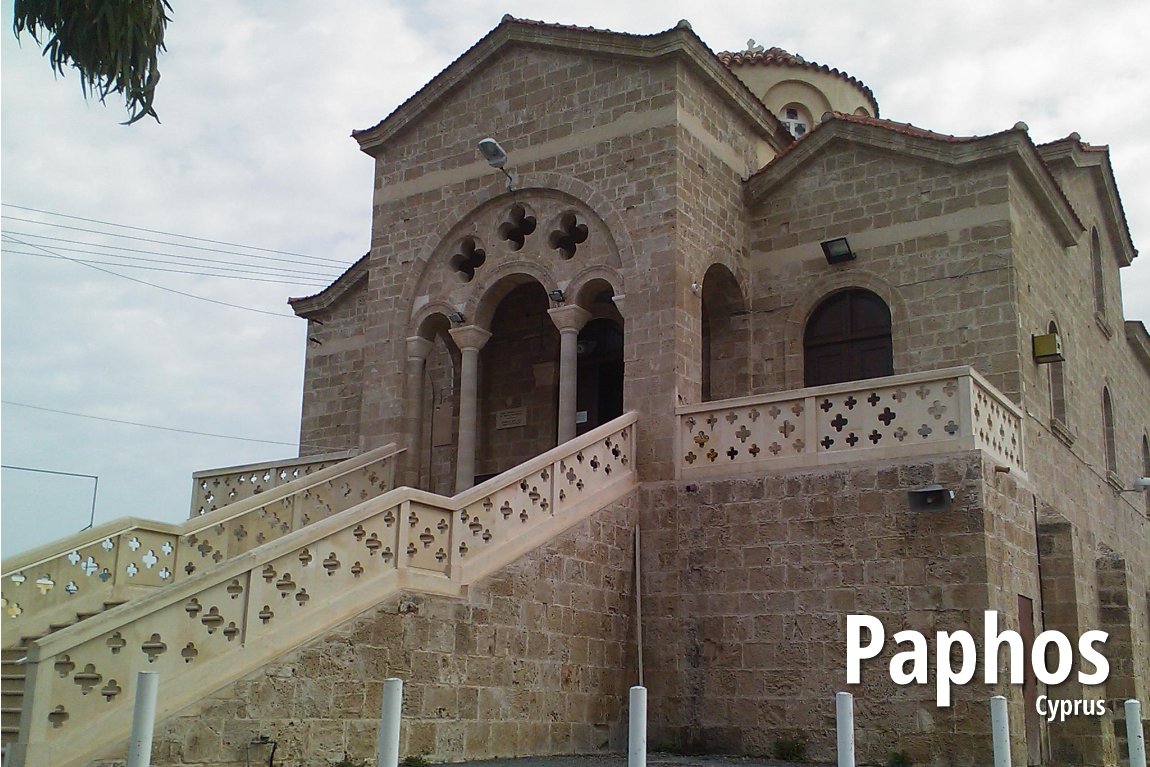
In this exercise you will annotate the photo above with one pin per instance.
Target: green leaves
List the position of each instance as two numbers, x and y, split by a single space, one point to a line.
114 44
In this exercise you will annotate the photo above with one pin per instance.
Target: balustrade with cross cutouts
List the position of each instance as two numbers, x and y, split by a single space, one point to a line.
203 632
914 414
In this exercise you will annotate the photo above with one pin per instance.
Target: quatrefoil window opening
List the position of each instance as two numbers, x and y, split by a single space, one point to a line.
569 236
468 258
518 226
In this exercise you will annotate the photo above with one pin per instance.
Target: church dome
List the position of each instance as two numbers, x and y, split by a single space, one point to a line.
798 91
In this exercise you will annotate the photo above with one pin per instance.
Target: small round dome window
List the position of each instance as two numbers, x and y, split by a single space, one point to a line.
797 120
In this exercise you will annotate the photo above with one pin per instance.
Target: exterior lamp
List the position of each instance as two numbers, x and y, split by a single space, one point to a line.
838 250
496 157
456 318
556 296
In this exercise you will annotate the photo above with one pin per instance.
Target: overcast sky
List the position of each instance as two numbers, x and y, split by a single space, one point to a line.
257 101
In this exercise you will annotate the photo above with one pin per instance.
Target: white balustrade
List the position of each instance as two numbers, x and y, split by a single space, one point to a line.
907 415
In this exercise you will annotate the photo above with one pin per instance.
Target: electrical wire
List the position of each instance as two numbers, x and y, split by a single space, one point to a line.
168 234
299 281
147 425
154 285
334 270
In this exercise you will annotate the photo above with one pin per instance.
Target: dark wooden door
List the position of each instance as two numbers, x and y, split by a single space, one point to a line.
1030 683
848 338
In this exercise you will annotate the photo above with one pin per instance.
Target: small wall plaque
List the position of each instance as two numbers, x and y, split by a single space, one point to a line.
511 419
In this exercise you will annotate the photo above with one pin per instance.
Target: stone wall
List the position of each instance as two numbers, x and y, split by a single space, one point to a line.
932 240
536 660
334 376
748 582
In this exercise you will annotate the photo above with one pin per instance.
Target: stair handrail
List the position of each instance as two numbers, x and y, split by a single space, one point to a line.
212 595
49 551
127 557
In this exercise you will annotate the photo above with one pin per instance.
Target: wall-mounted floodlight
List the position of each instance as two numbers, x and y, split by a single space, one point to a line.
456 318
496 157
838 250
557 296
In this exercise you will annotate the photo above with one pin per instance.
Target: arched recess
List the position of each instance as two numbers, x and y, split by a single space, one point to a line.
1109 438
1097 271
600 366
724 334
834 282
1146 467
518 376
438 406
1057 386
848 338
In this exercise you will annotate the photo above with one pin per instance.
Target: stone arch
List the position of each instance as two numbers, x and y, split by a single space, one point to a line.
462 220
482 304
724 331
424 318
578 289
833 283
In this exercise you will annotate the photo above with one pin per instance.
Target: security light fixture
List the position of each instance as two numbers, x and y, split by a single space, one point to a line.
557 296
456 318
1141 485
494 154
838 250
496 157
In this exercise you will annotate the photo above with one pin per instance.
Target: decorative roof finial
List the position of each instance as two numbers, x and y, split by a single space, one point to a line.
753 47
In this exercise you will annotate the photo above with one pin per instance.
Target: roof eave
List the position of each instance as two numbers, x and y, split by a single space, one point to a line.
1139 340
1012 145
306 306
680 40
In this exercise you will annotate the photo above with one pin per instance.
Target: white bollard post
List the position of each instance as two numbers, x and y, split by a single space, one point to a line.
637 734
387 746
1000 728
1135 738
845 724
143 719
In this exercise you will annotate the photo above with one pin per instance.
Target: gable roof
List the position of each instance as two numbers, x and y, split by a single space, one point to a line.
779 57
1097 158
1013 145
305 306
679 41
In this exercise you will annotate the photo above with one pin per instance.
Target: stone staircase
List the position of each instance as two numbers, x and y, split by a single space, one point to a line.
54 587
238 604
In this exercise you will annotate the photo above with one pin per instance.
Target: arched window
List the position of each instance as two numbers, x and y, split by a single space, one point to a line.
1096 265
847 338
797 120
1108 432
1057 386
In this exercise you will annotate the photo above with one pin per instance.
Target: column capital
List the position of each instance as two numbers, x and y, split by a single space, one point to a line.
419 347
470 337
569 317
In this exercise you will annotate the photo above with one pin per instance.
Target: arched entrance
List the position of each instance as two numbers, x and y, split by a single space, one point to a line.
848 338
723 336
518 382
599 394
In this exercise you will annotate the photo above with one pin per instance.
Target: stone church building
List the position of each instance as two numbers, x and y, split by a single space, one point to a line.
824 363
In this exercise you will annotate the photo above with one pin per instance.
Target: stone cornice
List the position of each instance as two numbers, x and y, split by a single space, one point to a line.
1139 341
1012 146
1096 159
308 305
679 41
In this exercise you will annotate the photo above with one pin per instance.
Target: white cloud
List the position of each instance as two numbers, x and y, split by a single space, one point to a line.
257 102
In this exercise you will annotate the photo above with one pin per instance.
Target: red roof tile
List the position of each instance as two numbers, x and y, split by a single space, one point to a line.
779 57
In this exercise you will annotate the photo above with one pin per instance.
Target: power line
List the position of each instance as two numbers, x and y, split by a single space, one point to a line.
146 425
152 284
167 234
332 269
148 239
299 281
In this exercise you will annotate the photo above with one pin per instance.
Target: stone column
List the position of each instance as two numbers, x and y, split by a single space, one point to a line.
570 319
418 348
470 339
